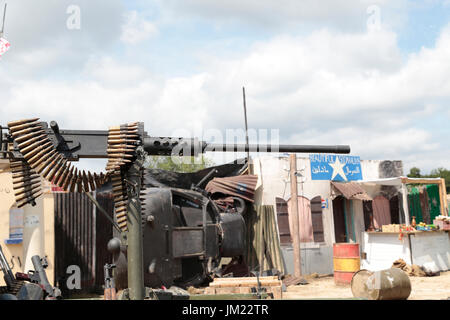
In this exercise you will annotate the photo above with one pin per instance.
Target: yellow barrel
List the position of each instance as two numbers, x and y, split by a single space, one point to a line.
346 262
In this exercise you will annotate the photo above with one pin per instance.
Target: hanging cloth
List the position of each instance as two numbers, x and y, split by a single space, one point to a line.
414 205
434 201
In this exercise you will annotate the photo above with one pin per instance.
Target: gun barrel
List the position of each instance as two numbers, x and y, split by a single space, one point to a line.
182 146
37 264
8 274
282 148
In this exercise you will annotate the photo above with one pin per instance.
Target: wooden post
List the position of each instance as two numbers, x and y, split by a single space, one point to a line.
443 196
405 203
294 215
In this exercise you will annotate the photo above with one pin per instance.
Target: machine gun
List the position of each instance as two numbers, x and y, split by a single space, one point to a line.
176 229
31 286
8 275
110 287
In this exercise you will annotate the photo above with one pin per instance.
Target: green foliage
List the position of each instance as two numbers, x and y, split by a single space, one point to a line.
414 172
435 173
178 164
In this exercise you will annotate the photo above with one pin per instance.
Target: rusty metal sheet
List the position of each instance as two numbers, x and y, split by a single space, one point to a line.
242 186
351 190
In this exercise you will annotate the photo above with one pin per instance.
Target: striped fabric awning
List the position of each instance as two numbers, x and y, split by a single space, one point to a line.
242 186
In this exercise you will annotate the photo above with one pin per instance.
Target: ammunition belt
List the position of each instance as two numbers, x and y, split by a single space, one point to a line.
121 148
41 159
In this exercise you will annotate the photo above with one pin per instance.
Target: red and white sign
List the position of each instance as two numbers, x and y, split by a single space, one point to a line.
4 45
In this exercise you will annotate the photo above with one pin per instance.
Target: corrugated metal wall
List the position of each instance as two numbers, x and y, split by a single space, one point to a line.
80 239
104 233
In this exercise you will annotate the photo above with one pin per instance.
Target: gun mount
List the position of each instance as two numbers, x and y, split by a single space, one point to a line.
168 235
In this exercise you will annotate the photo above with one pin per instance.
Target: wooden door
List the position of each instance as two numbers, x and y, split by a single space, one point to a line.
381 212
339 219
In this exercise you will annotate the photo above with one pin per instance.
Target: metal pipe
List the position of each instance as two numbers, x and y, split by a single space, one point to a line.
295 216
246 126
135 251
282 148
95 202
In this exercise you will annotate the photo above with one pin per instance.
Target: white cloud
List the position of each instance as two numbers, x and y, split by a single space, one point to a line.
268 14
324 88
137 29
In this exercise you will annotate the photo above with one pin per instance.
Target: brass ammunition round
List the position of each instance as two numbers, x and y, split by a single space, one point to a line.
34 145
121 216
24 179
23 121
22 174
116 177
26 131
73 180
22 184
117 189
27 195
22 170
123 136
60 174
120 203
40 154
35 131
53 172
91 181
33 152
121 209
123 225
120 155
120 197
23 126
15 164
26 189
54 164
117 141
122 146
48 162
45 156
35 138
67 178
121 219
29 200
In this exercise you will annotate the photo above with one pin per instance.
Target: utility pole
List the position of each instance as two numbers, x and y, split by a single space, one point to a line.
3 22
294 215
246 130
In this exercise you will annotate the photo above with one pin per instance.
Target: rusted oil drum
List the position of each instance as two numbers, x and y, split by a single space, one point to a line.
389 284
346 262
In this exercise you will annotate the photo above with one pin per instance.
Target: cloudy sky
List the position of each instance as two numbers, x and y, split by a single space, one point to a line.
371 74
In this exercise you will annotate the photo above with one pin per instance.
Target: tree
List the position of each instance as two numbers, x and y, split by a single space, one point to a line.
178 164
435 173
414 172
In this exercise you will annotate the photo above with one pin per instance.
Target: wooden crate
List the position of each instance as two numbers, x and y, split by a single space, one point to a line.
245 285
443 225
390 228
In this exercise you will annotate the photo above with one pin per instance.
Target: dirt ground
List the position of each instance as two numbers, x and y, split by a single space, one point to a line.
423 288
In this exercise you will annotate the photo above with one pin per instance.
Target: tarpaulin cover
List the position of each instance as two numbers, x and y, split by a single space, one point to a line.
263 250
242 186
163 178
